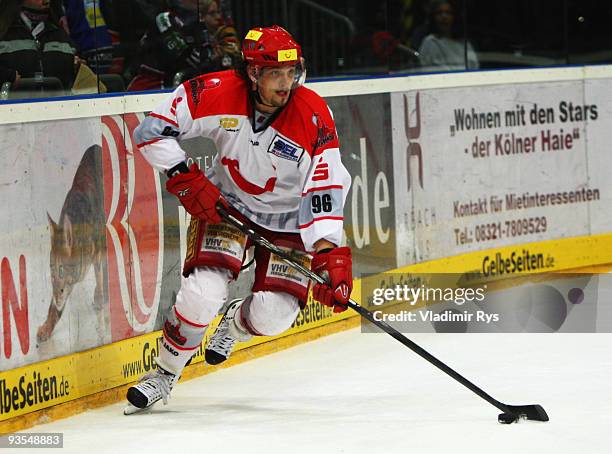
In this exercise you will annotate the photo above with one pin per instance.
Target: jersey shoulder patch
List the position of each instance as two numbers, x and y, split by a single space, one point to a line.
320 116
217 93
307 121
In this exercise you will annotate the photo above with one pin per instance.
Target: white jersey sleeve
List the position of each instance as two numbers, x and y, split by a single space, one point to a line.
324 193
158 135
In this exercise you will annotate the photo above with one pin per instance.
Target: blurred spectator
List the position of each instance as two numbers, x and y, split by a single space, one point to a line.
131 19
226 12
420 25
444 48
378 46
225 44
33 44
89 23
188 39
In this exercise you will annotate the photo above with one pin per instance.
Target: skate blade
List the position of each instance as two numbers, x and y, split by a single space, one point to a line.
132 410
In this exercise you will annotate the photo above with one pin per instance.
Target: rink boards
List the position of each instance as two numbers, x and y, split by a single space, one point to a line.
451 172
94 377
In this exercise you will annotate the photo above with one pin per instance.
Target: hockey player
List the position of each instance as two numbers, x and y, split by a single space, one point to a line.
277 168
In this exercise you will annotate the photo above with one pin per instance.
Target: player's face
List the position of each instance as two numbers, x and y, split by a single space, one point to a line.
274 84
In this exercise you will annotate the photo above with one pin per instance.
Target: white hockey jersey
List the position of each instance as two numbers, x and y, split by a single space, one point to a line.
286 177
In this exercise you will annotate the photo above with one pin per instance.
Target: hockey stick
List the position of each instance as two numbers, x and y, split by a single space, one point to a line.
511 412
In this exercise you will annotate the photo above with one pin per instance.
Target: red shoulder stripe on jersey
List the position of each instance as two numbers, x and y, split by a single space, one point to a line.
148 142
306 120
161 117
220 93
323 188
334 218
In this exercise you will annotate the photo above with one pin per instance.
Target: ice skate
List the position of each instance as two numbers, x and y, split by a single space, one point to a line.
151 388
222 342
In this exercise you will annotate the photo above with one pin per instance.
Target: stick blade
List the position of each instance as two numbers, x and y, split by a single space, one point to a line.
531 412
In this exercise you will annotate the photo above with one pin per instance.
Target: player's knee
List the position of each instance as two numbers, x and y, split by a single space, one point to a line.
271 313
202 294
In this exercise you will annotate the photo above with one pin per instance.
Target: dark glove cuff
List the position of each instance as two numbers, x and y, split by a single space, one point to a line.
181 167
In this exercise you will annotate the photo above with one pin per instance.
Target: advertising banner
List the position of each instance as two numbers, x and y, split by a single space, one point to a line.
52 246
84 255
365 145
506 164
599 158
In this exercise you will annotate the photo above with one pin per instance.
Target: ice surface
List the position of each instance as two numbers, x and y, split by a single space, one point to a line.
366 393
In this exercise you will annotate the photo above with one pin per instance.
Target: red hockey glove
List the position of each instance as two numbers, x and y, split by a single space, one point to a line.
197 194
336 266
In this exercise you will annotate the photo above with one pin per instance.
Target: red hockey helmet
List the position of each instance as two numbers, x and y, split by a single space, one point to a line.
270 46
273 46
